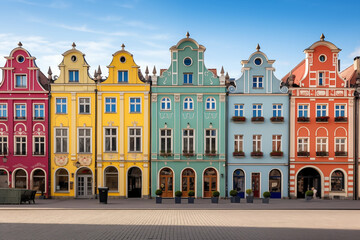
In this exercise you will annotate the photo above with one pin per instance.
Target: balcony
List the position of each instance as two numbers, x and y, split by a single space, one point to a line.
303 119
257 154
340 154
188 153
210 153
322 154
238 119
257 119
238 154
303 154
277 119
165 154
341 119
322 119
276 154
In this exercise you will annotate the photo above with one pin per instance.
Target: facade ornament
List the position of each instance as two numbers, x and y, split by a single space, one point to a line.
122 46
20 44
73 45
258 48
322 37
187 34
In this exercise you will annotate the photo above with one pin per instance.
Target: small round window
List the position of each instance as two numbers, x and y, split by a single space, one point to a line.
122 59
258 61
73 58
20 59
187 61
322 58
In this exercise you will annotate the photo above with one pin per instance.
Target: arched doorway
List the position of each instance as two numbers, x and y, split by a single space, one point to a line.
38 180
239 182
134 182
308 178
4 179
84 183
166 182
188 181
275 183
20 179
210 182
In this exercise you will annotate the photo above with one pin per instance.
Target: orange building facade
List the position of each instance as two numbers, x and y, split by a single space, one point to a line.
321 126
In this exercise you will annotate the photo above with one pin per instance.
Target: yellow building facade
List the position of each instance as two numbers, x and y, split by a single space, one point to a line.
72 126
123 129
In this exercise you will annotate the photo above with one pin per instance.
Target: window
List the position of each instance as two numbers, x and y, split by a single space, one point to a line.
73 76
210 141
257 61
20 111
276 143
239 181
110 105
122 59
165 104
3 111
84 140
256 143
210 103
275 183
321 144
257 110
3 146
38 180
188 140
303 145
39 111
20 145
135 139
39 145
187 61
84 105
337 181
111 178
123 76
257 82
20 59
321 79
110 139
303 110
277 110
340 144
62 180
188 104
188 78
239 143
61 105
61 140
73 58
239 110
20 179
322 58
20 81
165 140
340 110
321 110
135 105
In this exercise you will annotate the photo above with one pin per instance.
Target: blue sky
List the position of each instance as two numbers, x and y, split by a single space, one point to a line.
230 30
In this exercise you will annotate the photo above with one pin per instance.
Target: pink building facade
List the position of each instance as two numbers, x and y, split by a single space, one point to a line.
24 138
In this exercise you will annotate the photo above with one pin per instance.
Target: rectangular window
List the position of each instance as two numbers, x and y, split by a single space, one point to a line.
239 143
20 111
257 110
210 141
135 139
303 110
84 140
165 141
3 146
303 145
39 145
321 79
123 76
3 111
188 78
276 143
20 145
239 110
258 82
39 111
61 105
73 76
110 105
256 143
135 105
84 105
20 81
277 110
340 144
340 110
188 140
321 144
61 140
110 139
321 110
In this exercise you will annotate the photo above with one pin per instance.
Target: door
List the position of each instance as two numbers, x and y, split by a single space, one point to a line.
188 182
166 182
3 179
306 180
84 183
134 182
210 182
255 184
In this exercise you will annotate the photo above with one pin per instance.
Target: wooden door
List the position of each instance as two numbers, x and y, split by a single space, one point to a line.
166 182
255 184
210 182
188 182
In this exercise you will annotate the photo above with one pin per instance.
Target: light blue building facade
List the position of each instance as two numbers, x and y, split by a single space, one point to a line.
258 130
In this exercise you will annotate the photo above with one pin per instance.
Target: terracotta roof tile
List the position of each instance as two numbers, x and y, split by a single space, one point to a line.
162 71
297 72
214 71
349 74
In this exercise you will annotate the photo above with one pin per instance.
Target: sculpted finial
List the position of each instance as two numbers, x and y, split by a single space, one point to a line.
188 34
258 47
322 37
20 44
73 45
122 46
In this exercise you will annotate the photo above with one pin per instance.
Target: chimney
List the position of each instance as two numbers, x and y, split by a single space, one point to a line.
357 63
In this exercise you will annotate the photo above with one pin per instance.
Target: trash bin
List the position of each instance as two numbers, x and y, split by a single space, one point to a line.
103 194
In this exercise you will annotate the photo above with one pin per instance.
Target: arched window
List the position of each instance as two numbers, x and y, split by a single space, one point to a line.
20 179
239 182
62 180
275 183
337 181
210 103
165 104
111 178
38 180
188 104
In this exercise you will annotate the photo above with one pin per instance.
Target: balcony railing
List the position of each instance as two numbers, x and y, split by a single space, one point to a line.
322 119
303 119
340 154
322 154
276 154
238 119
340 119
277 119
303 154
238 154
257 154
257 119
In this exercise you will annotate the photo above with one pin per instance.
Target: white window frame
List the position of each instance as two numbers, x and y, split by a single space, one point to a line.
61 137
256 140
257 82
257 109
34 110
110 104
239 110
210 100
111 136
322 144
189 101
135 104
56 104
327 109
85 137
166 137
21 104
188 137
277 108
26 81
2 143
339 144
276 140
34 143
210 137
84 105
4 108
308 110
239 141
307 144
122 72
15 149
323 78
165 100
340 104
135 136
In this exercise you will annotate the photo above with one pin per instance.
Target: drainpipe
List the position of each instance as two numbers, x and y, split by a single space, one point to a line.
289 146
226 142
95 128
356 143
150 151
49 145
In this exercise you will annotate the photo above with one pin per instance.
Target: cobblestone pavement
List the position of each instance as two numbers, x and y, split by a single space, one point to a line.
175 224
